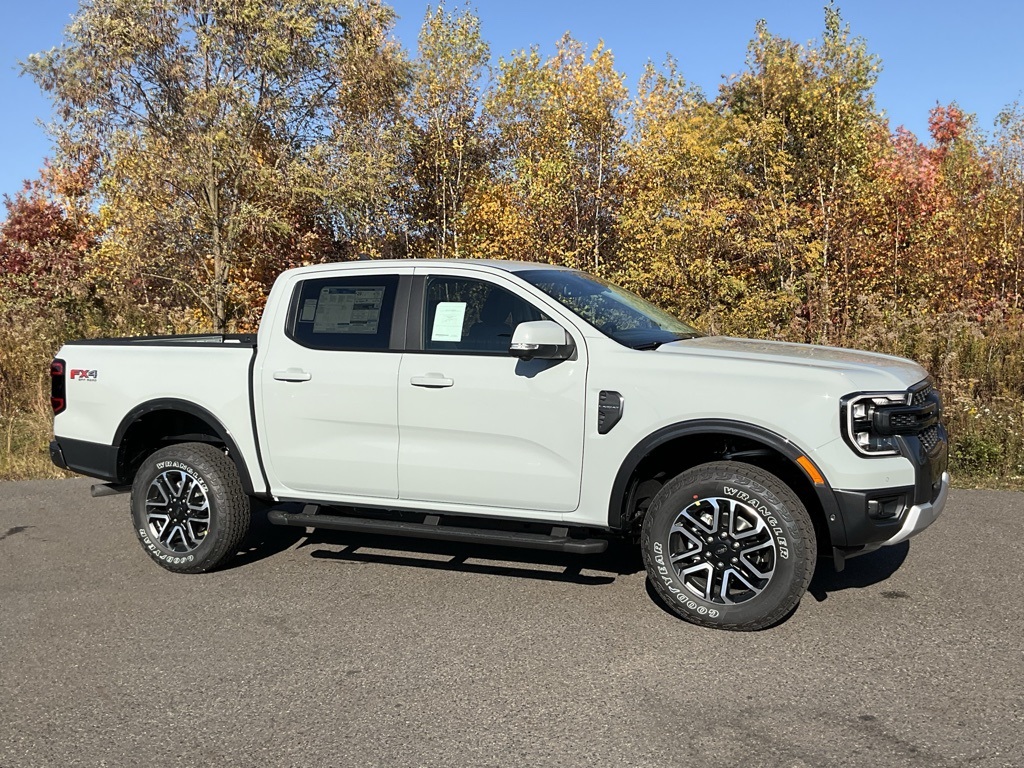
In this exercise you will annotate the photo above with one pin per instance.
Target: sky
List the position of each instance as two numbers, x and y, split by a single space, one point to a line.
932 52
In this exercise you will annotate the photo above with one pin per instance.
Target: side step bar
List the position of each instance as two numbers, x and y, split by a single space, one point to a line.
558 540
108 489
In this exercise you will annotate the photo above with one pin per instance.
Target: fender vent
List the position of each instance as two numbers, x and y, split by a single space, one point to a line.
609 410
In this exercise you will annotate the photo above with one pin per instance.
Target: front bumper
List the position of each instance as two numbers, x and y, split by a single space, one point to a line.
920 516
881 516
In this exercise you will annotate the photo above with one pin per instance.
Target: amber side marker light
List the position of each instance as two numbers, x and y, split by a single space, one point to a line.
811 470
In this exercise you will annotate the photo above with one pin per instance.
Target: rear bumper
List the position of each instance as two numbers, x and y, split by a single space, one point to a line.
92 459
57 455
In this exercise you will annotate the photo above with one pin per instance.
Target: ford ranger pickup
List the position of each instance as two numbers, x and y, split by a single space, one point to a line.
516 404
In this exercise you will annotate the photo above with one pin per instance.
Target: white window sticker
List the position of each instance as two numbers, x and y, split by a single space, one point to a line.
448 320
308 311
348 310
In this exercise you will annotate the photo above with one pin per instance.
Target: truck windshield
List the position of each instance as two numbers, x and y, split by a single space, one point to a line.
616 312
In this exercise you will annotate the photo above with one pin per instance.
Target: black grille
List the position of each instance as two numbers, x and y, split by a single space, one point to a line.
921 396
901 420
930 438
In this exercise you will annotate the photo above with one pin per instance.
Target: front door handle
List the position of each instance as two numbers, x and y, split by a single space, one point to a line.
433 380
293 374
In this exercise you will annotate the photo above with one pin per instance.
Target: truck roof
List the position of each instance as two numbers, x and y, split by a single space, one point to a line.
502 264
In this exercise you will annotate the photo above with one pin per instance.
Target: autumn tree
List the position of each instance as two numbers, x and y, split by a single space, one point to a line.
681 222
448 144
811 111
1008 176
44 239
363 163
558 125
209 118
42 250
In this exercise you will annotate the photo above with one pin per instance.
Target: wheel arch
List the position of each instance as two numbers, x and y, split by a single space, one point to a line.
157 423
677 447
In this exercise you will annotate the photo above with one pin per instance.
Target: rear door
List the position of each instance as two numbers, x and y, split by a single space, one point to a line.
478 426
328 382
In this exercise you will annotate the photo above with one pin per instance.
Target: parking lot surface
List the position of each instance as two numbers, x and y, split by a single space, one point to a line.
341 650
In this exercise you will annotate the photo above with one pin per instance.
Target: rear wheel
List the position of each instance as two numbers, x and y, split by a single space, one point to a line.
729 545
189 509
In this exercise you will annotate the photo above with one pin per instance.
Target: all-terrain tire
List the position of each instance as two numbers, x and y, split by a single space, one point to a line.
188 507
728 545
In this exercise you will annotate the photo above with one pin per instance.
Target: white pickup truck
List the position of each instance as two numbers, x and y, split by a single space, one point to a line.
507 403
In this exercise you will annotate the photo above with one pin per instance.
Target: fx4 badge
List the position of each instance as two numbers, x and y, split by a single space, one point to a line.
80 374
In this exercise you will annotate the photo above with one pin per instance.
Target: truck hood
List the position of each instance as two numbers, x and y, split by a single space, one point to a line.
868 370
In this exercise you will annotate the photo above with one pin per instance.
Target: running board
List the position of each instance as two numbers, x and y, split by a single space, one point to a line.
558 540
108 489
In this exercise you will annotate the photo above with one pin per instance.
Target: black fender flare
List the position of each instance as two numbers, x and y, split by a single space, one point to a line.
184 406
787 448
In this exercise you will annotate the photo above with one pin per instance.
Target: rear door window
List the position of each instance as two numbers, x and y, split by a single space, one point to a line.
344 313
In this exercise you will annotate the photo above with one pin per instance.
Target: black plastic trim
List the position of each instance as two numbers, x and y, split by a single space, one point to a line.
399 319
197 340
432 529
826 497
862 529
255 429
414 318
57 455
91 459
609 410
173 404
108 489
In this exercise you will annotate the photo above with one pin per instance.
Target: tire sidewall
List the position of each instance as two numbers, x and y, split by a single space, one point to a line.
160 462
790 537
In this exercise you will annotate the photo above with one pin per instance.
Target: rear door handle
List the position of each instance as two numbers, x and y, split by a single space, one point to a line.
434 380
293 374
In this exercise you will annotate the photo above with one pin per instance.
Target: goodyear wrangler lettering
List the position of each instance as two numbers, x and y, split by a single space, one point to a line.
769 518
165 465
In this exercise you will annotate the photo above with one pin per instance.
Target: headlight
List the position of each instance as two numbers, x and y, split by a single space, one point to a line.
867 417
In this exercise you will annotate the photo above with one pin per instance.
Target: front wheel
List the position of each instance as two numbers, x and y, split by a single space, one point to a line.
188 507
729 545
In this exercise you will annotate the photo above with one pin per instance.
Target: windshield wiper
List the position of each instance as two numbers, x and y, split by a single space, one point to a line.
655 344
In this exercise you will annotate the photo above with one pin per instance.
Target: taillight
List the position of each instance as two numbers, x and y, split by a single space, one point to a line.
58 395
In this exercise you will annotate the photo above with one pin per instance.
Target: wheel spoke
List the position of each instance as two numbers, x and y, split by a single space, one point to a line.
708 572
766 549
160 488
703 514
733 574
193 535
165 520
201 506
722 550
679 556
175 487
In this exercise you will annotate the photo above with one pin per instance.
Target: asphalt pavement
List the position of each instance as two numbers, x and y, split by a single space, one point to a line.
341 650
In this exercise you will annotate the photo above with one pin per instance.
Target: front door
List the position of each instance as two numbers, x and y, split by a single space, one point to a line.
478 426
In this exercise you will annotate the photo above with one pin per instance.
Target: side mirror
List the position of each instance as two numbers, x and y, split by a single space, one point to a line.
541 340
